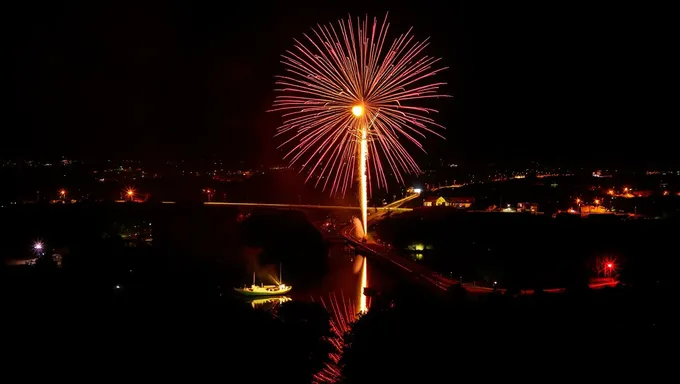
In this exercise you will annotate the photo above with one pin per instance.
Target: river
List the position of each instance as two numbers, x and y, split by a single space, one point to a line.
343 286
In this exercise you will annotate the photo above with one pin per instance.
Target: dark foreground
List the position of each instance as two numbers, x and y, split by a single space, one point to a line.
173 325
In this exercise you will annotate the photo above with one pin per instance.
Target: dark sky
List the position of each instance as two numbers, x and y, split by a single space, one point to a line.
562 82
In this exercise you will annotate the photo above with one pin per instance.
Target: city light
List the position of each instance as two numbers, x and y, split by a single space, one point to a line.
209 192
417 190
130 193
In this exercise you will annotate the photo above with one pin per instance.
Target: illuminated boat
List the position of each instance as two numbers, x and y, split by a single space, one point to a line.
265 290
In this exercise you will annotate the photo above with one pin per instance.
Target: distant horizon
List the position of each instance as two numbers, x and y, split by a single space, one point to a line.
444 163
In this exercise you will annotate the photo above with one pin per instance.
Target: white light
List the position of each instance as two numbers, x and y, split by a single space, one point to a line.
38 246
417 190
117 286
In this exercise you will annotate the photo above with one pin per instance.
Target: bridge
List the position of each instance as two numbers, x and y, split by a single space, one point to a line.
395 206
387 208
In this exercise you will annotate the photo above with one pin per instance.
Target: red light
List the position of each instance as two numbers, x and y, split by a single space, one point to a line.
609 265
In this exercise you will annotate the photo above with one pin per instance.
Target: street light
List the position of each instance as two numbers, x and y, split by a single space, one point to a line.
209 192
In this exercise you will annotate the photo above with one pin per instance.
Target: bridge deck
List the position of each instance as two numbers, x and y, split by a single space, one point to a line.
305 206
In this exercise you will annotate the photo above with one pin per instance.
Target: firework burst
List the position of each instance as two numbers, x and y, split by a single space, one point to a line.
349 99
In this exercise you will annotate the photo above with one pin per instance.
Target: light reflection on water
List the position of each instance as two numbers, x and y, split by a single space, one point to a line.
348 276
363 302
269 302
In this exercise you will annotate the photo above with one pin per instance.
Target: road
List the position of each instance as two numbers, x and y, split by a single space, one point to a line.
415 271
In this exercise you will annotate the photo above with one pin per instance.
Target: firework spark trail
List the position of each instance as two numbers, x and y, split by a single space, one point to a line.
363 181
337 67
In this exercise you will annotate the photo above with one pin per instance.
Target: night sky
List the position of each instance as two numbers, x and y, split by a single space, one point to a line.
158 80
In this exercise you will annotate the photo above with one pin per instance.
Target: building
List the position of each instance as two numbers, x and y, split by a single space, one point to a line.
527 207
460 202
594 209
435 201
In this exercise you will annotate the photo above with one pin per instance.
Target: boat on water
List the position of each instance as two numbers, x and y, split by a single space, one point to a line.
265 290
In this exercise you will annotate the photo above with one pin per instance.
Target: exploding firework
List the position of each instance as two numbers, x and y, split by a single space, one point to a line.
348 100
